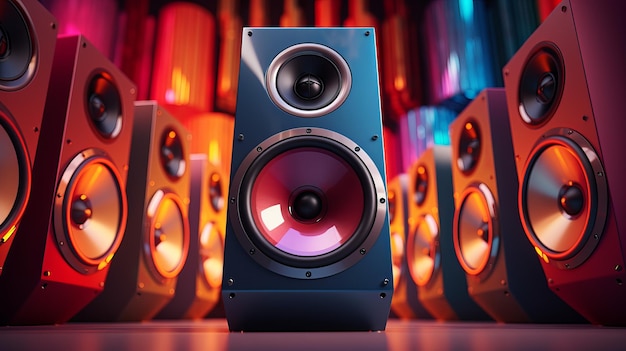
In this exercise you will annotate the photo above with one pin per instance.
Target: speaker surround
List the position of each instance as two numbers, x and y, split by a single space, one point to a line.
75 222
569 163
27 41
307 202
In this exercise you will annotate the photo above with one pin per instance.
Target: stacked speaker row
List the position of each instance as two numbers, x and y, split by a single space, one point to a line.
521 215
101 201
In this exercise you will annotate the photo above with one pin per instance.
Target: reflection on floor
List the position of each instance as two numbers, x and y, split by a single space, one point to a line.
213 335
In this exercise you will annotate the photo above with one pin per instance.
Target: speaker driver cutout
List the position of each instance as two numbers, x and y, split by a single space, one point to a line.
541 84
216 193
311 203
104 105
172 154
15 177
421 185
469 147
308 80
475 242
564 198
422 251
90 211
18 50
211 255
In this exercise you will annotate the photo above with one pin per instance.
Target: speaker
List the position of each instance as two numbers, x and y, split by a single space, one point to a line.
307 240
503 274
27 40
564 110
199 283
442 287
143 275
75 220
405 303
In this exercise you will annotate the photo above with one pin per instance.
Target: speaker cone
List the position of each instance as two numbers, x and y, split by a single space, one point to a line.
211 255
104 105
308 80
469 147
172 154
168 234
422 250
541 84
563 199
18 50
475 239
90 211
308 199
15 177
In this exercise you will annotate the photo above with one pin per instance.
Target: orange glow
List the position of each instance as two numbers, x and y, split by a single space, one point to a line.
8 234
183 77
327 13
213 136
292 15
421 170
468 126
230 27
172 134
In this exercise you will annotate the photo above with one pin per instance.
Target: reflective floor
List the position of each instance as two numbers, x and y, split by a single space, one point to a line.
213 335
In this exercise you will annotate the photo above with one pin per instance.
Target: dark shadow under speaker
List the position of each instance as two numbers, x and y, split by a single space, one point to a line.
504 276
143 274
307 241
27 39
442 287
75 219
199 283
565 111
405 303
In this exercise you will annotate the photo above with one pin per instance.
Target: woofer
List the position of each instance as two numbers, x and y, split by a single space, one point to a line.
168 234
90 211
564 198
422 250
310 202
475 236
15 179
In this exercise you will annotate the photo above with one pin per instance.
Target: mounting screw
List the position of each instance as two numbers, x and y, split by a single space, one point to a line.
240 137
362 251
308 274
617 268
367 33
386 282
249 33
231 281
382 200
308 130
252 251
374 137
357 149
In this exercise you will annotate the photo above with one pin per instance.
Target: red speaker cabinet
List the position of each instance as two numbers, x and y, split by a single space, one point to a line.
405 303
28 36
143 274
199 283
564 95
442 287
503 274
75 219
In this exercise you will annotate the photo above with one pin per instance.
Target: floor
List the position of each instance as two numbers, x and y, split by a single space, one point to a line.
213 335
